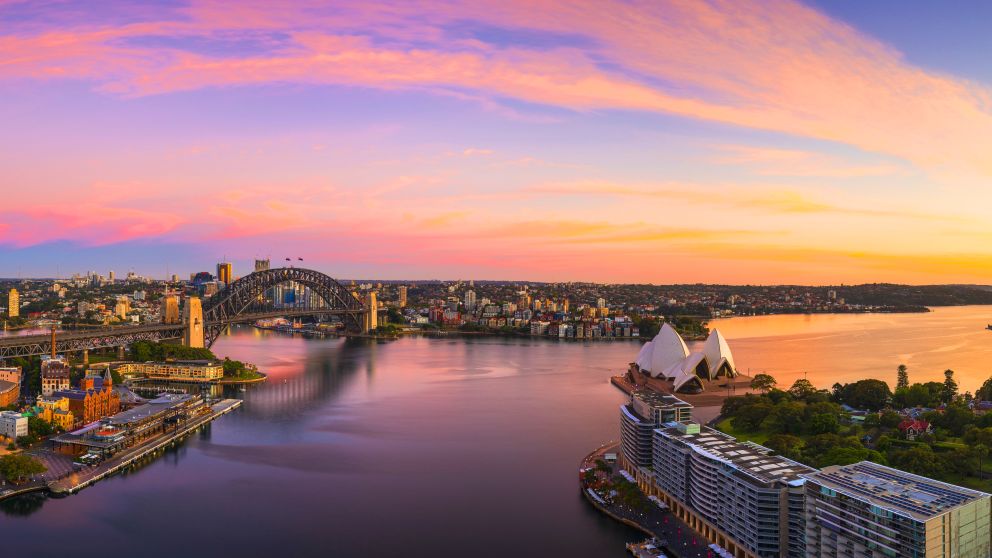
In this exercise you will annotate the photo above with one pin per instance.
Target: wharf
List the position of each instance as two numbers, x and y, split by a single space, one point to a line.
86 477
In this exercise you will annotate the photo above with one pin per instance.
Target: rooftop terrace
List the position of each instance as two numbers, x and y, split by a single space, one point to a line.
897 491
749 458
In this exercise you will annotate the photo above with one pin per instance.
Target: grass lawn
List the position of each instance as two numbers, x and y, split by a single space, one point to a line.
758 437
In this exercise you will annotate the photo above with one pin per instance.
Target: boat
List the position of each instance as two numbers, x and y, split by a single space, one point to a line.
989 327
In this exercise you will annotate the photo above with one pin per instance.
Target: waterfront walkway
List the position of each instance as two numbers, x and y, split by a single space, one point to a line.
64 476
677 538
83 477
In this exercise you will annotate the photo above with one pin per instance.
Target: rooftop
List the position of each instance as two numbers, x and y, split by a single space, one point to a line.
751 459
900 492
6 386
151 408
658 400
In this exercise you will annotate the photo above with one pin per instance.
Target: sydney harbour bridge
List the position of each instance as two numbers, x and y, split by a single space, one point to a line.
242 301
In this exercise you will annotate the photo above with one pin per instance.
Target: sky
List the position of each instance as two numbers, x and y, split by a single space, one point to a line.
650 141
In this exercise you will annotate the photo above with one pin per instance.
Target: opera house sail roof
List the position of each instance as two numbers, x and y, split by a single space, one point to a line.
667 356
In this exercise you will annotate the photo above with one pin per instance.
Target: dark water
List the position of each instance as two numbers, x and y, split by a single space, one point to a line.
415 447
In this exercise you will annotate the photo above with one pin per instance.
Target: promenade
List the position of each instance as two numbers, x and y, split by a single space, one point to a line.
675 537
65 477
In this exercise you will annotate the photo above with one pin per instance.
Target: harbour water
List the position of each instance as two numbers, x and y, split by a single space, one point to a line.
436 447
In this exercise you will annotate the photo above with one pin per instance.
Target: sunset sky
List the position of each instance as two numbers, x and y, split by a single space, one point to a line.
602 140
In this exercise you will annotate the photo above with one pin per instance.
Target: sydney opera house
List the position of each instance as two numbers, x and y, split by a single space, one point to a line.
667 357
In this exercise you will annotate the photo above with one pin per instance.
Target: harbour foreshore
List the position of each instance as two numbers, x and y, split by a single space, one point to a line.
83 477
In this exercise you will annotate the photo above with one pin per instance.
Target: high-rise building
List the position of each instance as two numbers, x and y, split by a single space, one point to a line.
470 300
13 303
402 295
111 276
224 272
170 309
737 493
600 302
262 265
867 509
647 410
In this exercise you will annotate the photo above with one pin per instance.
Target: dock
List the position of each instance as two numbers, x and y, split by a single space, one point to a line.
85 477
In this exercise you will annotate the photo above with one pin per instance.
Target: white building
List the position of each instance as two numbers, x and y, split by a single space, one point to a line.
667 356
13 425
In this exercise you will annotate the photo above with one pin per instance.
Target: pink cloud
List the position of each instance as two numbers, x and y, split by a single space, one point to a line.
88 224
775 65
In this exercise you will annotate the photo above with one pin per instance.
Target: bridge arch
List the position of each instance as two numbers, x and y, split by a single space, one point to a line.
240 300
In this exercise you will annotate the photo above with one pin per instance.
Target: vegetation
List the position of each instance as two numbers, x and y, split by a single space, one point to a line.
144 351
17 467
809 426
763 382
237 370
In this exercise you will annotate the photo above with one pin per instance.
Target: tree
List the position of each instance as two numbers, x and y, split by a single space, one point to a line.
15 467
802 389
920 460
823 423
902 377
763 382
984 393
871 395
786 418
750 417
785 445
950 386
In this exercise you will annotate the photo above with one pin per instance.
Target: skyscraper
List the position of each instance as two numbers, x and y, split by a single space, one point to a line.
224 272
402 295
111 276
13 303
470 300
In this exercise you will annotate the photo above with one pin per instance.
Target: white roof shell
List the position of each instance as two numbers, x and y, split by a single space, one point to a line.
717 352
643 359
667 349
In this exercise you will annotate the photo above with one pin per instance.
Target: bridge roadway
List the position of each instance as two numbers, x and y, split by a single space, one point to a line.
123 336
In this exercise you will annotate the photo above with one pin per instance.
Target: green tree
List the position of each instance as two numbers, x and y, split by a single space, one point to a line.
763 382
18 466
984 393
786 418
802 389
870 395
786 445
920 460
902 377
750 417
823 423
950 387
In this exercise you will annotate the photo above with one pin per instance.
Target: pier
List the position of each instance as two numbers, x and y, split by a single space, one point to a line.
85 477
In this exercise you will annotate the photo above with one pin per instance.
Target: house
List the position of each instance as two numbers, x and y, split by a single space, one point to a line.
913 428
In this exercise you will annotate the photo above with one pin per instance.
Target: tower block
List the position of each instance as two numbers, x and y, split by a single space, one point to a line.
370 320
193 322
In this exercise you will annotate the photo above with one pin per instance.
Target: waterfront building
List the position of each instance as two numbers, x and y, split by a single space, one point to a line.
224 270
10 374
13 303
94 399
170 309
55 411
13 425
736 493
125 429
181 370
667 356
646 410
10 392
866 509
54 374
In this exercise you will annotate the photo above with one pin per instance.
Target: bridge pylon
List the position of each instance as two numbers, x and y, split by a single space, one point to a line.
193 323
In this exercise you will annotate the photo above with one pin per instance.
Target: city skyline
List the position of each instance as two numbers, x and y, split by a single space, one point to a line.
638 142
